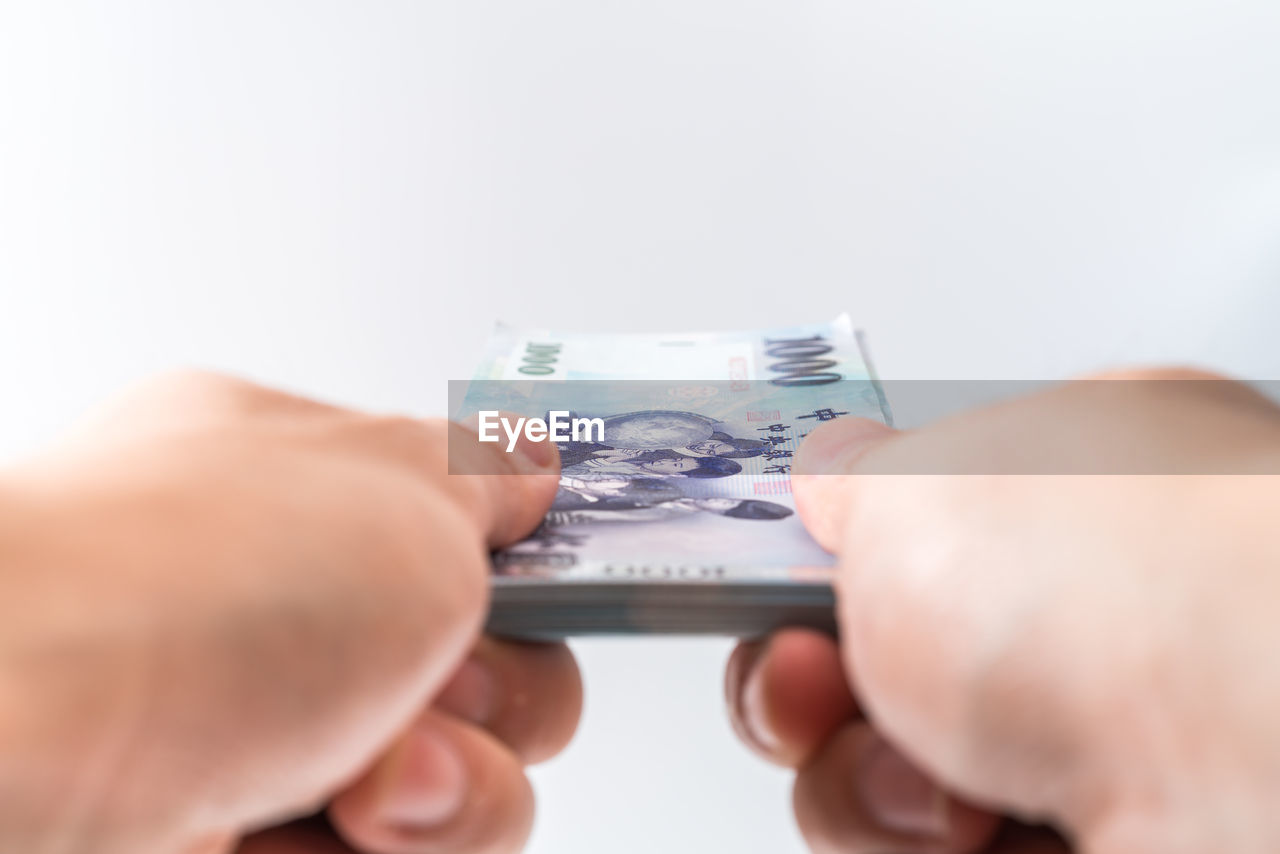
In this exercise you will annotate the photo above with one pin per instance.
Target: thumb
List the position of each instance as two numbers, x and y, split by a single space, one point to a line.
506 492
823 473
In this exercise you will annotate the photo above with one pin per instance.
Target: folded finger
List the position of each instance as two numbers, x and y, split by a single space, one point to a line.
186 401
528 695
786 695
859 795
445 786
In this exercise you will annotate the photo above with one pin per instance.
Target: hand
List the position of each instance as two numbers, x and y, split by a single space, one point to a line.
223 608
1091 652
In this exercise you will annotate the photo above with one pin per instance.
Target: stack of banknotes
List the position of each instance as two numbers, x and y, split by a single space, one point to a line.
674 514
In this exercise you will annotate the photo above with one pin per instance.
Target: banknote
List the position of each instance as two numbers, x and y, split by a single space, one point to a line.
678 516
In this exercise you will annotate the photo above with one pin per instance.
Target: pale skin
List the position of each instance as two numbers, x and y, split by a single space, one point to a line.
225 609
233 620
1095 654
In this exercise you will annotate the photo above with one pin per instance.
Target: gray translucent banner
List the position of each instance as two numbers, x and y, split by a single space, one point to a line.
1174 423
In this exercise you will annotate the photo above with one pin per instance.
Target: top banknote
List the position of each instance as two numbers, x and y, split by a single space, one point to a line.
676 449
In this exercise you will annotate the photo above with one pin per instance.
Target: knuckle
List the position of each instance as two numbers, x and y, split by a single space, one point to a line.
208 393
175 401
192 382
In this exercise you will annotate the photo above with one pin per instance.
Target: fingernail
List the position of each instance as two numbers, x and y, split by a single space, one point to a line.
426 784
537 456
471 694
836 445
899 796
755 714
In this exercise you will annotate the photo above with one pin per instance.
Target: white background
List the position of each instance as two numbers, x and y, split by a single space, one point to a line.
341 197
